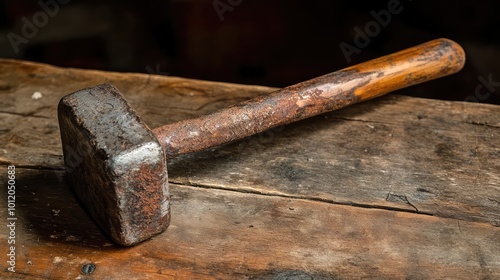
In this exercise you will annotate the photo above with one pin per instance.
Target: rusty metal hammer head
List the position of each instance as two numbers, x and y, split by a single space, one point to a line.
114 164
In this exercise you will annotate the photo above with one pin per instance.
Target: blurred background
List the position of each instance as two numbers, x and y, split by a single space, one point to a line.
273 43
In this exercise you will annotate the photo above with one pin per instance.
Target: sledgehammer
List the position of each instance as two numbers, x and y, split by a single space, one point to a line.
117 167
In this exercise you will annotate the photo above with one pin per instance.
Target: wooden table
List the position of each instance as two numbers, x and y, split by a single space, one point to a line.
397 187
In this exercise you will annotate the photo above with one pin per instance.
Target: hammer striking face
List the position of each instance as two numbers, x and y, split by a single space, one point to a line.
114 164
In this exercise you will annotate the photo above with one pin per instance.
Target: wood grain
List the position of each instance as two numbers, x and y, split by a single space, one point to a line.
397 187
227 235
377 154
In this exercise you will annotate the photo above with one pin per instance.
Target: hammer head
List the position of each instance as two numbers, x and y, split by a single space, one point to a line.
114 164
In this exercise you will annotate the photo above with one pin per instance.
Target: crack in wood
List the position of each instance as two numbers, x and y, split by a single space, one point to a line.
482 124
307 198
32 167
256 192
209 103
403 198
359 120
31 114
493 200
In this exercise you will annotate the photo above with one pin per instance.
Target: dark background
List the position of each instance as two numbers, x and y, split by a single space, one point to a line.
273 43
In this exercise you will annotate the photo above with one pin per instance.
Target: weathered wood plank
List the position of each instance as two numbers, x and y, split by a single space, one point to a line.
430 159
227 235
435 157
273 205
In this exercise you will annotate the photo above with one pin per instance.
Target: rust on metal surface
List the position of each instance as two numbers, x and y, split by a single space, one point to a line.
117 166
364 81
261 113
114 164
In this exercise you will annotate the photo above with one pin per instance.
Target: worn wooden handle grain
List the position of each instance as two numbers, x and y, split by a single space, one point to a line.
360 82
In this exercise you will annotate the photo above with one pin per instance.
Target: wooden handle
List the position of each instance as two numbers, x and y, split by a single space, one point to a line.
360 82
425 62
